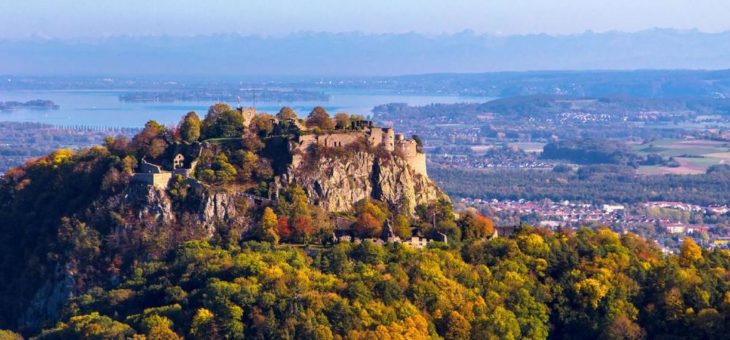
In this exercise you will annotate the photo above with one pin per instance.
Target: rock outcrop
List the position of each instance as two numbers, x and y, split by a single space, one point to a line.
49 299
210 209
337 183
149 200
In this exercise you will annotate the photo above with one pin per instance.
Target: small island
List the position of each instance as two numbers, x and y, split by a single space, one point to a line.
36 104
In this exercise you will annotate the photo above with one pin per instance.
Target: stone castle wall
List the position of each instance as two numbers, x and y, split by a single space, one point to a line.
158 180
331 140
409 150
375 136
381 136
389 139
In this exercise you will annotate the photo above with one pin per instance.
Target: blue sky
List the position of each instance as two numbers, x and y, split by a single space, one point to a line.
94 18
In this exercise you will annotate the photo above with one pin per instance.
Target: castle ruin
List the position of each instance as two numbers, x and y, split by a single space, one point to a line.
374 136
182 158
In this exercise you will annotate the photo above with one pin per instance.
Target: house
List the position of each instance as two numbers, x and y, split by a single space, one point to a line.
676 228
179 159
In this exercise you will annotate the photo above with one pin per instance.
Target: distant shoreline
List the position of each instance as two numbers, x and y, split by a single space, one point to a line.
36 104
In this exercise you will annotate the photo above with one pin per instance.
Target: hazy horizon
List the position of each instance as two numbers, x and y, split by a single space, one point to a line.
361 54
329 38
85 18
38 37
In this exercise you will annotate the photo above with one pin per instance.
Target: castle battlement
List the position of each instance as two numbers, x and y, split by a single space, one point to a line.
408 149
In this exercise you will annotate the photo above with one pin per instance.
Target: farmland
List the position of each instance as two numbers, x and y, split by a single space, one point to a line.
693 156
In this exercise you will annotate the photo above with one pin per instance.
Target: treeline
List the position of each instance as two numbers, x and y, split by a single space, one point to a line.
596 183
551 106
536 284
595 151
590 151
646 84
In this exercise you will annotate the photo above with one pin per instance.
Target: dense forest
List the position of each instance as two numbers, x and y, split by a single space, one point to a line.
536 284
593 183
596 151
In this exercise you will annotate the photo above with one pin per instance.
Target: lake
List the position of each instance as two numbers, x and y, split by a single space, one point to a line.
103 108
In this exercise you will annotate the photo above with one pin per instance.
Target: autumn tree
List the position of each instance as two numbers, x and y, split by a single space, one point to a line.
623 328
499 324
302 228
247 162
90 326
159 327
300 215
203 325
262 124
218 108
283 229
342 120
475 226
319 118
267 228
690 252
457 327
150 141
190 127
222 122
224 171
8 335
286 114
368 226
299 203
119 145
402 227
218 170
376 209
438 217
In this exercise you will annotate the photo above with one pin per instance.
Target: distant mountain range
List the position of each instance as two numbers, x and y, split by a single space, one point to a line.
357 54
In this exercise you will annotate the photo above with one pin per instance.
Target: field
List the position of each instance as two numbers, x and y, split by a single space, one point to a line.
694 156
532 147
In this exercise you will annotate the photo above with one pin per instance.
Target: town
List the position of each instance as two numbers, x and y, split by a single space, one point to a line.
665 222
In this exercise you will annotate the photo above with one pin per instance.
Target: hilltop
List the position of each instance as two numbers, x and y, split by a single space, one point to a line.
250 225
322 179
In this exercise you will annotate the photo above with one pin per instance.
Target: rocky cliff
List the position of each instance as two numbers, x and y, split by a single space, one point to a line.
205 208
338 182
148 211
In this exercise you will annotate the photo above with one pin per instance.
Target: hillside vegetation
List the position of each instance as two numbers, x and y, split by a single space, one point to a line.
90 253
536 284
